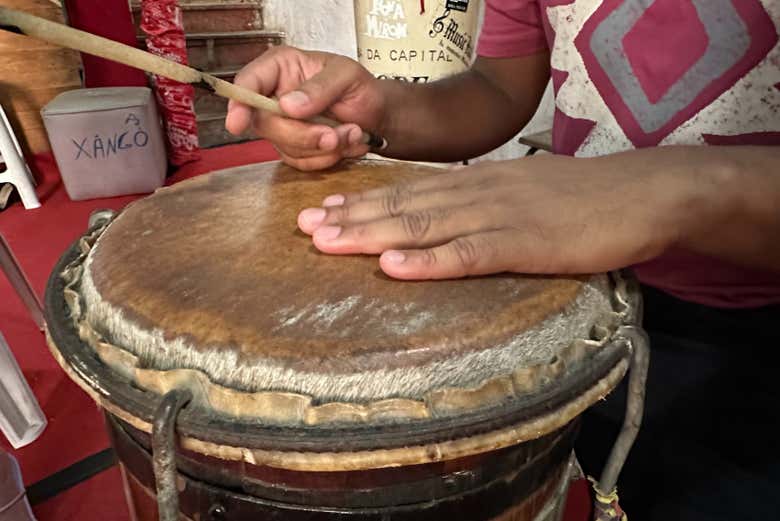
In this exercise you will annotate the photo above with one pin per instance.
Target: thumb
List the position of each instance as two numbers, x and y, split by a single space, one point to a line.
318 93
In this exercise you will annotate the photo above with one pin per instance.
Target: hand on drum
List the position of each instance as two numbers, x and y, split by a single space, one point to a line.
309 84
545 214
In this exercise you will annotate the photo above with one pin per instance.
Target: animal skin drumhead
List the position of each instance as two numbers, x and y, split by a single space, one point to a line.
210 281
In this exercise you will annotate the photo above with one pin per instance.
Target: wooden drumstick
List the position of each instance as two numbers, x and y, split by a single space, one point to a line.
64 36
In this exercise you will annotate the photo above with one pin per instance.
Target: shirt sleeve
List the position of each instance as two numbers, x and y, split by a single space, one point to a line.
511 28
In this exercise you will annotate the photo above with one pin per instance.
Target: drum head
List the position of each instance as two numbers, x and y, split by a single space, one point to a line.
210 285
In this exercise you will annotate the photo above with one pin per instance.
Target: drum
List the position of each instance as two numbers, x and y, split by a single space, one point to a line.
245 375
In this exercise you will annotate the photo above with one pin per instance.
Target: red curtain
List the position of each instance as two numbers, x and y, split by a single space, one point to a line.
110 19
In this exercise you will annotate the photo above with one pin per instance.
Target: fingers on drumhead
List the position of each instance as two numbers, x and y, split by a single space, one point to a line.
310 219
477 254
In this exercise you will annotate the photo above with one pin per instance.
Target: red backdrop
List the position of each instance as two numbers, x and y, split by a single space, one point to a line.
111 19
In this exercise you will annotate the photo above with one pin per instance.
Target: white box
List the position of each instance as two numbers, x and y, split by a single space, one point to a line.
106 141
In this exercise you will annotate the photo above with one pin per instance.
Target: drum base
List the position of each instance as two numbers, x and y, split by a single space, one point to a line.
536 491
142 503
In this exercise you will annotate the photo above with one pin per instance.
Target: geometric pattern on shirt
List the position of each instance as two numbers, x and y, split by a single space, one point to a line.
646 119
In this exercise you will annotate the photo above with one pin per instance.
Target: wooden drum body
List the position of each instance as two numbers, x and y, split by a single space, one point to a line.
245 375
524 482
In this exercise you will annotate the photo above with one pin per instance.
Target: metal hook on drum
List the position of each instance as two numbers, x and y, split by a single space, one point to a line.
606 507
164 452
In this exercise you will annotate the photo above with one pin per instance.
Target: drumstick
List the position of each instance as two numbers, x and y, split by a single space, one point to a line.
64 36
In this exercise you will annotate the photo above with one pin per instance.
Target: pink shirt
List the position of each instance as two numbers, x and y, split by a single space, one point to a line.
636 73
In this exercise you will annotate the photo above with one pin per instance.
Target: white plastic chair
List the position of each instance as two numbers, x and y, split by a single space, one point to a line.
17 172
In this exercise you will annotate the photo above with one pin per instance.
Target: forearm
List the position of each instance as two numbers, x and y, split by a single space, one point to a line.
722 202
466 115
